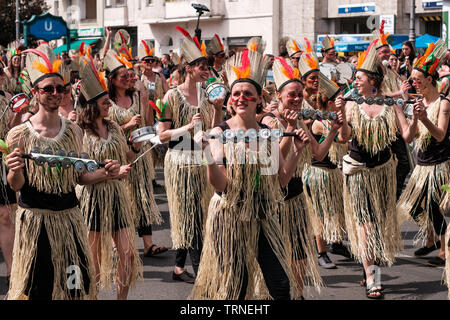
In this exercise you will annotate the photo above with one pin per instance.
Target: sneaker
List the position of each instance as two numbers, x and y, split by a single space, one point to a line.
340 249
426 250
185 276
436 262
325 262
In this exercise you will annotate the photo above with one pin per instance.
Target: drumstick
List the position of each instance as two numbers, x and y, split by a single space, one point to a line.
143 154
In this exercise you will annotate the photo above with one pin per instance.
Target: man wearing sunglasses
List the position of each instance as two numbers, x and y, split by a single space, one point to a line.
51 243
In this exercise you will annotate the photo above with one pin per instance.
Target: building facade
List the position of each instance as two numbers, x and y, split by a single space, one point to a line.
235 21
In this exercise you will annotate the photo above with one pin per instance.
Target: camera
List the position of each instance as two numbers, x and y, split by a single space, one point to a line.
200 8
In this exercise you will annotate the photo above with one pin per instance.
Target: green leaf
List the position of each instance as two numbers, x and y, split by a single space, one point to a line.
445 188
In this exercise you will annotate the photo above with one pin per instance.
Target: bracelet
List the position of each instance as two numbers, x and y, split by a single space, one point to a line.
134 150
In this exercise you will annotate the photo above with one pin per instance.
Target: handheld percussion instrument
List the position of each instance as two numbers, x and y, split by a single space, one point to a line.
17 103
80 163
216 91
407 105
148 133
249 135
310 114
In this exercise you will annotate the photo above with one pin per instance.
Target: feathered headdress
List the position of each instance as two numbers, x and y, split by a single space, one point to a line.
125 53
122 37
65 71
327 87
327 43
191 49
381 36
13 49
42 63
93 83
247 65
215 45
256 44
368 61
292 47
113 62
176 59
432 59
308 63
145 49
25 82
284 72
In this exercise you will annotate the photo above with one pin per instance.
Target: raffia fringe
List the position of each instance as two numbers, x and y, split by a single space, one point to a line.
53 180
423 137
434 177
447 260
142 191
337 152
230 245
108 196
298 236
371 192
61 227
372 133
186 182
326 203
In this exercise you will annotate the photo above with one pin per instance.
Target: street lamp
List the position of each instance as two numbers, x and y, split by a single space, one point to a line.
17 20
200 8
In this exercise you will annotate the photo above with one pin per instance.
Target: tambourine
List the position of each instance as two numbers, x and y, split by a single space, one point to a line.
249 135
329 70
310 114
216 91
17 103
144 134
380 101
80 163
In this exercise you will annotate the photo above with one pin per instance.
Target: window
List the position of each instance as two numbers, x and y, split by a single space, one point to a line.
91 9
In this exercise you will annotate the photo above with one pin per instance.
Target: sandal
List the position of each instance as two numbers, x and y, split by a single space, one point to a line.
362 283
152 252
372 289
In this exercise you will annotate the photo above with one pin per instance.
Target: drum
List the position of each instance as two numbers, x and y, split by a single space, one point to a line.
215 91
143 134
344 72
18 102
329 70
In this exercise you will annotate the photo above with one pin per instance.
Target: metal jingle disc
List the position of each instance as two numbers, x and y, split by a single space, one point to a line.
53 162
84 155
370 101
91 166
40 161
320 115
379 101
333 116
47 151
228 134
325 115
276 134
400 102
79 166
72 154
35 150
389 101
264 133
240 134
251 134
360 100
66 163
60 153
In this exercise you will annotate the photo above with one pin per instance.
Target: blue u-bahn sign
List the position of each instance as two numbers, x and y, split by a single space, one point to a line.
46 27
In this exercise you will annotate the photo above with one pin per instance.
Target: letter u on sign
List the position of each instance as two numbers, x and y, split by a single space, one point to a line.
48 26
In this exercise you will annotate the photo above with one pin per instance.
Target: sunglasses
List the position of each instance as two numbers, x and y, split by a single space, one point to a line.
149 60
221 55
52 89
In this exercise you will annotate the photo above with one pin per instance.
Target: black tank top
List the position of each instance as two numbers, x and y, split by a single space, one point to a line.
436 152
326 162
358 153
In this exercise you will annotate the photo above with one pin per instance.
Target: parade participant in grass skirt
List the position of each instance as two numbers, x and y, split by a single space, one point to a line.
187 188
369 181
243 233
51 235
422 198
107 203
131 110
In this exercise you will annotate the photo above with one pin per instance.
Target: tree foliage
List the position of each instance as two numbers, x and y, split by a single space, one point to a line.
27 8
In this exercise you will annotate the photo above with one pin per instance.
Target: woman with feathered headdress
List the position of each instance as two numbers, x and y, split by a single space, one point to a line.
423 196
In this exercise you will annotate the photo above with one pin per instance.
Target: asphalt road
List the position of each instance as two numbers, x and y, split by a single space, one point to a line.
408 279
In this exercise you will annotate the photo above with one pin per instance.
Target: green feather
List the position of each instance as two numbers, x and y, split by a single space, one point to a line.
446 188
